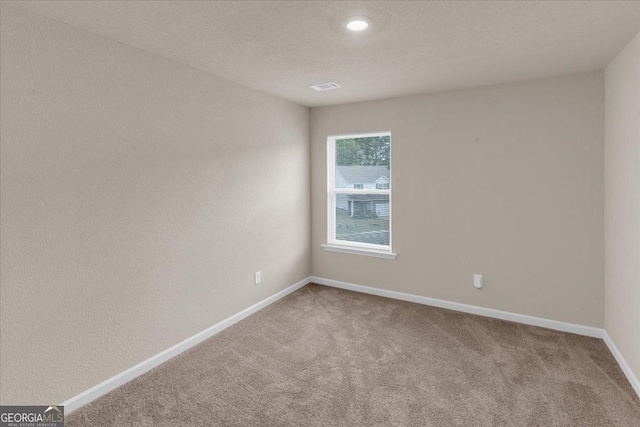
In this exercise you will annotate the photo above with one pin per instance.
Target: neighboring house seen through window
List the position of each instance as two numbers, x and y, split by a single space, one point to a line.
359 191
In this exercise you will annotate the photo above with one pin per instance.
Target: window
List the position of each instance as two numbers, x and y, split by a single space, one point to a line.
359 193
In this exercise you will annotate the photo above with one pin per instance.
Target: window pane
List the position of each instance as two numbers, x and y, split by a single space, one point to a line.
363 218
363 163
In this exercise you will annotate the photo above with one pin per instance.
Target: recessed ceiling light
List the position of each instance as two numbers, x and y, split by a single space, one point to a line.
357 23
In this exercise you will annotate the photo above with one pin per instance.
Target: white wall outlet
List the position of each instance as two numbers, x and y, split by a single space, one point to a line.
257 277
477 281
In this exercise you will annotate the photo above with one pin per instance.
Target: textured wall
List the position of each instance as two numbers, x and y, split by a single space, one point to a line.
505 181
138 198
622 203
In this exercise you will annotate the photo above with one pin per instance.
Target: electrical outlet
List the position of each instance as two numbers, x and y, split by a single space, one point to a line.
257 277
477 281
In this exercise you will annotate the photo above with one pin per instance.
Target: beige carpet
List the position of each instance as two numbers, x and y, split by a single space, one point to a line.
328 357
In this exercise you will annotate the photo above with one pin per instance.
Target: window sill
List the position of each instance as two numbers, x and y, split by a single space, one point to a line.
360 251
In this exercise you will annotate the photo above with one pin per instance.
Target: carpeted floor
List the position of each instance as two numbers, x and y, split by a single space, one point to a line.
328 357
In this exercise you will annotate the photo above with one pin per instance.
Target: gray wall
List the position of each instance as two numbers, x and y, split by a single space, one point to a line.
504 181
622 203
138 198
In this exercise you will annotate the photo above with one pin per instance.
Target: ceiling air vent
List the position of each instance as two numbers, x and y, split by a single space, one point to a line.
325 86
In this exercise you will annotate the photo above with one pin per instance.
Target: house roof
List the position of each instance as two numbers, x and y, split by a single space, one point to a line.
362 174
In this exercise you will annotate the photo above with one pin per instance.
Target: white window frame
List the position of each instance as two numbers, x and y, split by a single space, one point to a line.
357 248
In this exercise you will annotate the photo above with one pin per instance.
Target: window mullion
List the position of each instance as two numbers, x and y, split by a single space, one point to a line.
353 191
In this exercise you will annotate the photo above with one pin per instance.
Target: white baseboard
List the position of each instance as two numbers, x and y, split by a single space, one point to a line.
116 381
635 383
466 308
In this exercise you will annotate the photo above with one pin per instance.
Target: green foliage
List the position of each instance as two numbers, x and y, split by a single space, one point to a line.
370 151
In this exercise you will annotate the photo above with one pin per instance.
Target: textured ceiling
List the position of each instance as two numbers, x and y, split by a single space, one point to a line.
412 47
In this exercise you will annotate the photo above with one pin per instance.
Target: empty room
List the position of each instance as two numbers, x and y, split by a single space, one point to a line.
319 213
